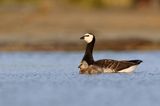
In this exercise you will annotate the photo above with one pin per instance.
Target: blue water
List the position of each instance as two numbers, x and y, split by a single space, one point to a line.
53 79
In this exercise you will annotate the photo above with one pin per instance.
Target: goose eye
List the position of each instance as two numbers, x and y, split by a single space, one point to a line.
87 35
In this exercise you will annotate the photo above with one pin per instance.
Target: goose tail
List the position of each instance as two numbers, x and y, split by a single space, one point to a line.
136 61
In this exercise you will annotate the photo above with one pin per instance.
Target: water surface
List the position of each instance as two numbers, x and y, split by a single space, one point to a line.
53 79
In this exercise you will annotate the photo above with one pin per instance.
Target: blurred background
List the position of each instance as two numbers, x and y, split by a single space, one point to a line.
56 25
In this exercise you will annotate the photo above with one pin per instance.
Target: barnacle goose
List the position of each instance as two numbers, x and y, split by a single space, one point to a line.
89 66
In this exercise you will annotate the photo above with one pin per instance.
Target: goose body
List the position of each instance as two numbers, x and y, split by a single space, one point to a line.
89 66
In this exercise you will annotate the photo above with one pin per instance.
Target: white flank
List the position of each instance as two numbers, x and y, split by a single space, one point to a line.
128 70
108 70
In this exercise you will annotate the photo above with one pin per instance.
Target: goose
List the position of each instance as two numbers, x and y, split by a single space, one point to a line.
89 66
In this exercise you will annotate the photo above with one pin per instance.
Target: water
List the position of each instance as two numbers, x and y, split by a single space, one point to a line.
53 79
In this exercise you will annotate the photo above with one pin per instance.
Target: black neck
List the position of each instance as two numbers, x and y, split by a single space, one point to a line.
88 57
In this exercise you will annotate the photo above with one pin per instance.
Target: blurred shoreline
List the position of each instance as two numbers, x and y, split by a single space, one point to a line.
114 45
28 30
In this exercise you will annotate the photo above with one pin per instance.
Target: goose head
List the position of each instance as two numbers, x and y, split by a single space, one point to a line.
88 37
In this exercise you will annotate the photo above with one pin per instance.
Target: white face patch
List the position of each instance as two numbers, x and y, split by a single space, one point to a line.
88 37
